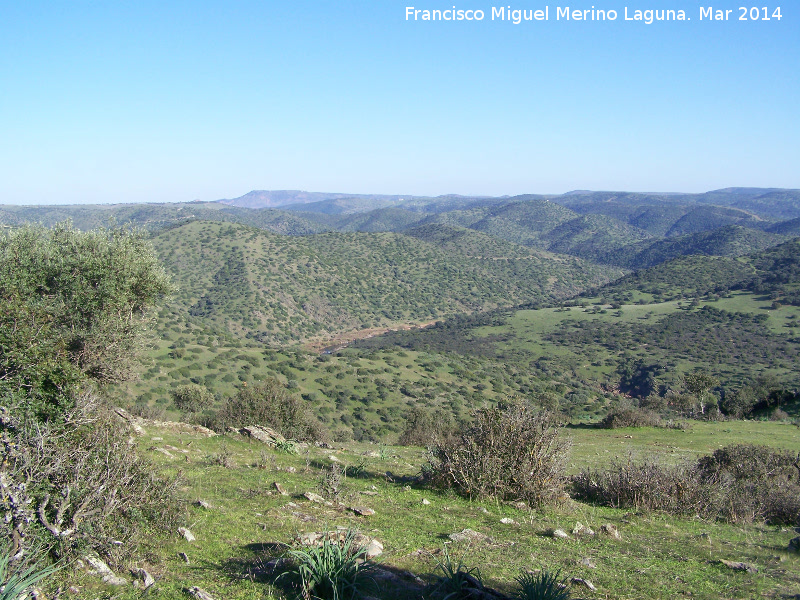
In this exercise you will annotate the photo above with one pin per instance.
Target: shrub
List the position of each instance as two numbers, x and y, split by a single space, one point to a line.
80 484
644 485
191 399
424 427
74 312
740 483
269 404
630 417
510 452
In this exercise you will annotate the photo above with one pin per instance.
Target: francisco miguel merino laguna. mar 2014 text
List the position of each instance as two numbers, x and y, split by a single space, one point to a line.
565 13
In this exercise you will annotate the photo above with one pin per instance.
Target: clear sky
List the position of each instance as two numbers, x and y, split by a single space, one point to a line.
123 101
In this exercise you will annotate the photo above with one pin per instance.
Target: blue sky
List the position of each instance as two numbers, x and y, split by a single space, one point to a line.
172 101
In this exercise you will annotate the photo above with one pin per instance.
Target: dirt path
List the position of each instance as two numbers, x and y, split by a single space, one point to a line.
344 339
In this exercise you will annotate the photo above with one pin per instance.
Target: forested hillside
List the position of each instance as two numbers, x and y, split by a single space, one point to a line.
276 289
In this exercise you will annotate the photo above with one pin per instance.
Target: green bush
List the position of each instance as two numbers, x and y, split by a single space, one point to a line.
510 452
267 403
191 399
74 312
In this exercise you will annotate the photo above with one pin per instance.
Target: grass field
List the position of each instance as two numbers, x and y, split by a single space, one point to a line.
657 557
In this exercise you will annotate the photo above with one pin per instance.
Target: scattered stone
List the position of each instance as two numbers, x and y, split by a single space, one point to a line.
483 510
406 488
794 545
291 470
156 439
585 583
587 562
130 419
311 496
175 449
177 427
200 594
581 529
610 530
265 435
98 567
507 521
143 576
560 534
469 535
203 504
373 454
369 493
305 518
740 566
333 458
280 489
164 451
425 501
363 511
291 505
374 548
184 557
186 534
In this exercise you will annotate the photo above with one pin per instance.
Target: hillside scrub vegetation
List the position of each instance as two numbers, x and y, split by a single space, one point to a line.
742 483
268 403
74 310
510 452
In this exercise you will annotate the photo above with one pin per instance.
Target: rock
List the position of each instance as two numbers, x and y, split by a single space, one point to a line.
481 509
280 489
291 470
587 562
585 583
740 566
130 419
469 535
186 534
164 451
156 439
581 529
374 548
425 501
265 435
143 576
200 594
610 530
184 557
507 521
316 498
98 567
794 545
333 458
203 504
369 493
363 511
559 534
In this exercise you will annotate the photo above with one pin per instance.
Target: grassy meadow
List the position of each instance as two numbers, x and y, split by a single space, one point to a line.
249 522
